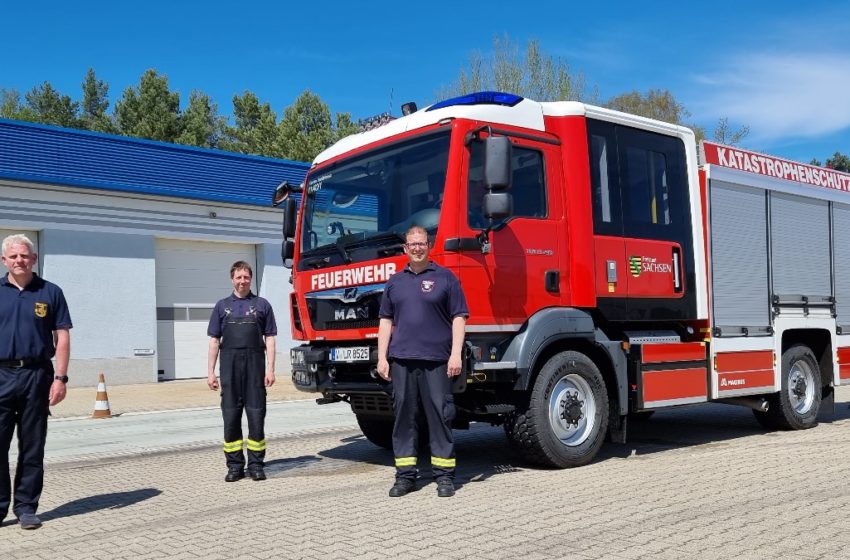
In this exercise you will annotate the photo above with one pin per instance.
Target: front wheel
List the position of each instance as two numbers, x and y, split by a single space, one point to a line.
798 402
377 429
566 419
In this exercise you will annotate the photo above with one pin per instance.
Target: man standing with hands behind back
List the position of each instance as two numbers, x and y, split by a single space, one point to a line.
243 328
423 316
34 327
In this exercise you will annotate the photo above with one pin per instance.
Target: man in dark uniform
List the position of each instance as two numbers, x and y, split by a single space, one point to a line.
34 327
242 328
423 315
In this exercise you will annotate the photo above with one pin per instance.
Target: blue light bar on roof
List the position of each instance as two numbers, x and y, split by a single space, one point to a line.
479 98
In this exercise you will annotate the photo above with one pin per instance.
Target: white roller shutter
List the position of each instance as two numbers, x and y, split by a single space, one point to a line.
191 276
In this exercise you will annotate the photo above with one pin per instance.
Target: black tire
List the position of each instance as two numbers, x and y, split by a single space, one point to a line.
566 419
796 406
377 429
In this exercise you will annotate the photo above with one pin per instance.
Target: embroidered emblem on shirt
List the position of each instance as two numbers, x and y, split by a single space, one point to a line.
251 311
427 286
40 309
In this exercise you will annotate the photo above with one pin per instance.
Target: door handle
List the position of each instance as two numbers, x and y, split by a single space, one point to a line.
677 270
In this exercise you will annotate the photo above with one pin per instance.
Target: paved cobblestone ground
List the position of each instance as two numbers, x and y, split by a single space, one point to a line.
704 482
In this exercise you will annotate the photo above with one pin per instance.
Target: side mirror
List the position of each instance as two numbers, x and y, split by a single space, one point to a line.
287 252
497 162
290 217
282 192
498 205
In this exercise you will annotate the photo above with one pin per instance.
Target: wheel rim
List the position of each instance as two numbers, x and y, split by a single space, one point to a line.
801 386
572 410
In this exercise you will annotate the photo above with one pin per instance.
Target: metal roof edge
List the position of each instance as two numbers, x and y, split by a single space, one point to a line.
145 141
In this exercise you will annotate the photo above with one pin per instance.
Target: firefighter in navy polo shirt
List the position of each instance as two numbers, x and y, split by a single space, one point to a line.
423 315
34 327
242 329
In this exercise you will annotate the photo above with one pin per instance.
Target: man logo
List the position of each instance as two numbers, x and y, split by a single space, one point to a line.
349 294
40 309
351 313
427 286
634 266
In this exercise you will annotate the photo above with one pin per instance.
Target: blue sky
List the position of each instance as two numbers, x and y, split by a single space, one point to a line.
782 68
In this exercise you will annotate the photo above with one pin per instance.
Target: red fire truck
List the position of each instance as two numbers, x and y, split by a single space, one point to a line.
608 273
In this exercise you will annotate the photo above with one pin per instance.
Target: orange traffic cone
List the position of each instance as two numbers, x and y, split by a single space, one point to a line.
101 405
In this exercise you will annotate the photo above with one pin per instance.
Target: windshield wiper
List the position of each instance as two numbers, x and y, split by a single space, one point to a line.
319 257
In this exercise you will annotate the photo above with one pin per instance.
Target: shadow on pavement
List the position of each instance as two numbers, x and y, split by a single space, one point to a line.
101 501
483 451
692 426
291 463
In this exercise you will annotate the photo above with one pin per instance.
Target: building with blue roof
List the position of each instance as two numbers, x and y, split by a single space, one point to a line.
141 236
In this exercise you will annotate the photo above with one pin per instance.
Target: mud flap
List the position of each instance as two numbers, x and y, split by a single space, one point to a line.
826 413
617 428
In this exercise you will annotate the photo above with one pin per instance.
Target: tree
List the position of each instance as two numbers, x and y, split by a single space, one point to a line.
256 130
531 74
94 105
723 135
344 126
305 129
657 104
51 107
151 110
661 104
200 124
12 108
839 162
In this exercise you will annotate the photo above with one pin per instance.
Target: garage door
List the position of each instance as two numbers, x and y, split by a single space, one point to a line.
190 277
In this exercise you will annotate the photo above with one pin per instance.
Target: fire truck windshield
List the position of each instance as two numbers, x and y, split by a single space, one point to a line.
370 200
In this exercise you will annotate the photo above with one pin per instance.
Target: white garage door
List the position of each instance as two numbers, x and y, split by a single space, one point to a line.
190 277
32 235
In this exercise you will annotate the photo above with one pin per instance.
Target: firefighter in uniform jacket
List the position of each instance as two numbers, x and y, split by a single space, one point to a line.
242 333
422 319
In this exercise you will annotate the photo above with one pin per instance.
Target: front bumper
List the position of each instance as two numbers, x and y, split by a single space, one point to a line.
315 371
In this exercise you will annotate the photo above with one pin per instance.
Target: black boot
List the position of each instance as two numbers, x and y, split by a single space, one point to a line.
234 474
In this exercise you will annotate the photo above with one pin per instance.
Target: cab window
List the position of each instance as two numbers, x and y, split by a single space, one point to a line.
528 185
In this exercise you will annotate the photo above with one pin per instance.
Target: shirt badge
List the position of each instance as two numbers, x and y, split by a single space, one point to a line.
427 286
40 309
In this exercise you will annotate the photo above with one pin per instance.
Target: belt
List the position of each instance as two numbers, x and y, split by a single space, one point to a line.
22 363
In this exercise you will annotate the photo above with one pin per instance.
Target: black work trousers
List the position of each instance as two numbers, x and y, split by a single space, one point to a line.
423 382
24 395
243 388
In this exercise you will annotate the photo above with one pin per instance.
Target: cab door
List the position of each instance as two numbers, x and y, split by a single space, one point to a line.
521 274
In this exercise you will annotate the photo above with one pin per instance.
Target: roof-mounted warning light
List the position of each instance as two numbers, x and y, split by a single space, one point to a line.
479 98
408 108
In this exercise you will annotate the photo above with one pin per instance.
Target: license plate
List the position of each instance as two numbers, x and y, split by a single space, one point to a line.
350 354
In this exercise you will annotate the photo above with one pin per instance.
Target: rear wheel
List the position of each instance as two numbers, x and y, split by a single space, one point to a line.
566 419
377 429
798 402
